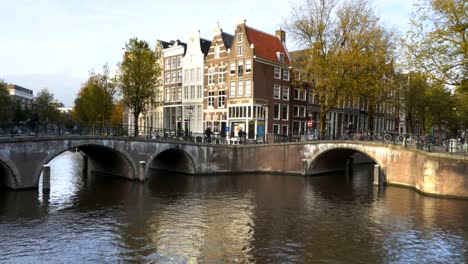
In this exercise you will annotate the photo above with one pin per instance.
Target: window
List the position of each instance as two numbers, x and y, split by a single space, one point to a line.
174 62
276 111
303 94
174 77
186 75
280 56
168 78
302 111
211 99
248 66
198 74
297 93
240 50
295 111
216 51
239 37
285 74
248 87
232 89
179 62
199 91
285 93
186 91
168 64
277 74
232 68
192 75
192 91
173 93
240 88
168 95
295 127
222 74
276 129
277 92
284 111
179 93
240 68
211 72
179 76
284 129
221 98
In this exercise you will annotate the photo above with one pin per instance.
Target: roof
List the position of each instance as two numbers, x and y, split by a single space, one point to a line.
266 45
205 46
227 39
164 44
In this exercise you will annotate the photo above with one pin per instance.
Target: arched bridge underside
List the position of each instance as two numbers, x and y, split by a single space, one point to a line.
21 160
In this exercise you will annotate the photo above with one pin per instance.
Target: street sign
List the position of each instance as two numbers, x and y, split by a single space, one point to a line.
310 123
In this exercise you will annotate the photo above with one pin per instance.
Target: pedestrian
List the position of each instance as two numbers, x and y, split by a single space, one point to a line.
208 135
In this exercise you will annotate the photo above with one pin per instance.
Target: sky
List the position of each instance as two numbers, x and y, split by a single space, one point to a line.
55 43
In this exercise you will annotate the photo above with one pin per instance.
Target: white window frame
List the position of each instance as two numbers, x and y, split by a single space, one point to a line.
277 73
286 74
296 111
239 37
222 74
240 50
285 112
211 73
279 111
277 91
285 93
211 99
221 98
232 89
248 66
248 87
232 66
240 88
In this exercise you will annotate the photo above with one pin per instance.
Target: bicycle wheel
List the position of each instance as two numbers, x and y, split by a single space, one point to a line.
376 137
387 137
400 138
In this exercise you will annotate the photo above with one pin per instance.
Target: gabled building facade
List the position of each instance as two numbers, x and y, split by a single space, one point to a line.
172 74
259 84
216 83
193 82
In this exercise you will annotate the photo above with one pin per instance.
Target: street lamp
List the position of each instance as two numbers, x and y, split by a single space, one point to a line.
190 111
265 116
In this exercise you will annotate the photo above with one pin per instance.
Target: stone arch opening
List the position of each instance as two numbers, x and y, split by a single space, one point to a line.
100 159
7 176
173 161
337 160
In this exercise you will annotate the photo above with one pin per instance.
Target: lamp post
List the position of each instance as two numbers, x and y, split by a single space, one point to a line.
265 116
190 110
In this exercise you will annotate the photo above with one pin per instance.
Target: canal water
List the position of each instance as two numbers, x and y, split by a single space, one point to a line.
228 219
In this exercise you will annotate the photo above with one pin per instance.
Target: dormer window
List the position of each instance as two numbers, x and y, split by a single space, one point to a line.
280 57
239 37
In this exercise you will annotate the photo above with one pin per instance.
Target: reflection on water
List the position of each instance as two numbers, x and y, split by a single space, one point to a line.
235 219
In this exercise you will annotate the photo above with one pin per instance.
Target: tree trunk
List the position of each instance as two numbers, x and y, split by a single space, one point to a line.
370 118
135 124
322 121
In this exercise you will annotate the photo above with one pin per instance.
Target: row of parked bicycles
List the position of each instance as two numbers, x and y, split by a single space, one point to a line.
426 142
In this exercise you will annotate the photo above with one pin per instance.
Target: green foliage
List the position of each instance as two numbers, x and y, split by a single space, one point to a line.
95 100
46 107
5 103
138 77
436 43
348 52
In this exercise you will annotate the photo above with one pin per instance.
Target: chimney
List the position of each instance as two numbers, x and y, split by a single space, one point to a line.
281 34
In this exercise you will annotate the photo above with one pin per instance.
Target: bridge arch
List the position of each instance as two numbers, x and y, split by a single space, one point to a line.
335 157
100 157
171 159
9 174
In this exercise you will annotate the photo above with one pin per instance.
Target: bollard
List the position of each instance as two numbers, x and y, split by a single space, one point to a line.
141 171
46 178
84 169
404 142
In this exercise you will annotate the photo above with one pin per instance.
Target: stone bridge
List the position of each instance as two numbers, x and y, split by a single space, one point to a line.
22 160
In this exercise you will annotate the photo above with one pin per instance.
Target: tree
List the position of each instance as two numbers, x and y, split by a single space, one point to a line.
117 113
436 43
95 100
138 77
5 103
346 49
46 106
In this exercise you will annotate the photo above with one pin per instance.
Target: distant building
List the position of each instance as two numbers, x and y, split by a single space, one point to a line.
22 95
